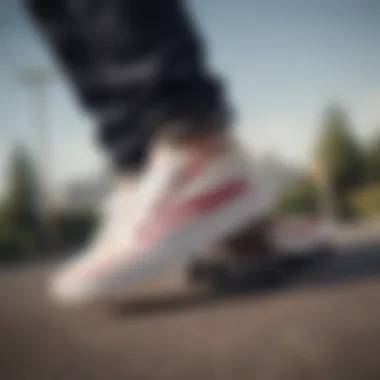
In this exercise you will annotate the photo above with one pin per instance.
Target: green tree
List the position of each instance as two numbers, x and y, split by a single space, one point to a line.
373 160
75 227
340 155
22 188
20 221
299 198
365 202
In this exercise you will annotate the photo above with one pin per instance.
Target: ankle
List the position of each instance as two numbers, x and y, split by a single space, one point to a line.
208 144
205 146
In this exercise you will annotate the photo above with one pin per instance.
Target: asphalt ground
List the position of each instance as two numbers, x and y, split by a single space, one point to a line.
323 323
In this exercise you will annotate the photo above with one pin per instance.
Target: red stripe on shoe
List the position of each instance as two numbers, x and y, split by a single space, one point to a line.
210 200
199 204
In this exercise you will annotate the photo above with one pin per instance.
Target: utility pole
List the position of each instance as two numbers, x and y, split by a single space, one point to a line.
36 80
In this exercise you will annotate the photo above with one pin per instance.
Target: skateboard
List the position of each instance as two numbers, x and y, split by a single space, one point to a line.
235 274
252 258
240 261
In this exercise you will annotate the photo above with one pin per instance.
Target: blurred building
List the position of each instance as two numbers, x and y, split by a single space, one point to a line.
85 193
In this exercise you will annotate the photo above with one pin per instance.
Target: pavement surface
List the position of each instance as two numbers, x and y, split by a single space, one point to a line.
324 323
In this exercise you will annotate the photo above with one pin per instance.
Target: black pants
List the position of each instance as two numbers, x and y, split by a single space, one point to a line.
137 66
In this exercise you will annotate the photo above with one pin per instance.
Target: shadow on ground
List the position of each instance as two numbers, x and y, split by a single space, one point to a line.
322 324
336 269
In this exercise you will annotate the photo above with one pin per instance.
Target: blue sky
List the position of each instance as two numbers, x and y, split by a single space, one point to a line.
283 60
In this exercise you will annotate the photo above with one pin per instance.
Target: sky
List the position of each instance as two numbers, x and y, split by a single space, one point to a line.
283 61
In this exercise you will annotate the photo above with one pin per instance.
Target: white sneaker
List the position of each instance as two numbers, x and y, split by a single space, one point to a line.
114 214
184 205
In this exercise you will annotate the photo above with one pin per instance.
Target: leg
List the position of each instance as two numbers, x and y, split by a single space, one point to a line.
137 66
